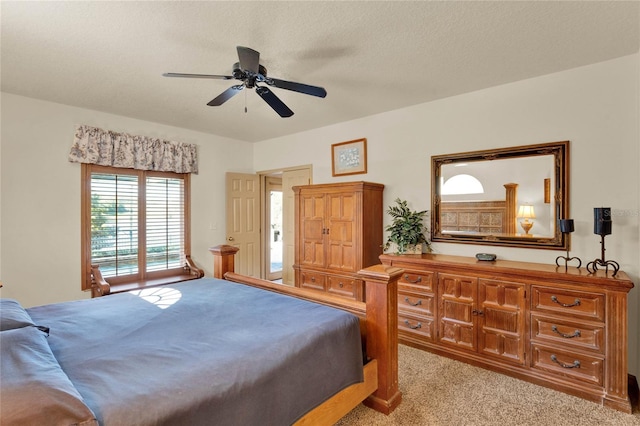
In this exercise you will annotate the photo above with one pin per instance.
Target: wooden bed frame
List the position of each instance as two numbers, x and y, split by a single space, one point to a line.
378 326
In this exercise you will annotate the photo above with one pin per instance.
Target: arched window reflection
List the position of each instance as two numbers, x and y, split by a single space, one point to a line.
162 297
462 184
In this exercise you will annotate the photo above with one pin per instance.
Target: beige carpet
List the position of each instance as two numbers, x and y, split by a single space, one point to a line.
438 391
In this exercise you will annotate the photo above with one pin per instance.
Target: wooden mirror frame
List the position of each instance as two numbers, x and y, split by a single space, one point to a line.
559 241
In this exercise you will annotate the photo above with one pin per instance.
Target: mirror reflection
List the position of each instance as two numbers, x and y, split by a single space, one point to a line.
509 196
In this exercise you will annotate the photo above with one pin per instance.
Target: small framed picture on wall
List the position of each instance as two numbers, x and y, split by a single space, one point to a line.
349 158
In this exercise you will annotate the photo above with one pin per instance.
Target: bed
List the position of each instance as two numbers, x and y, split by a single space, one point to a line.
216 350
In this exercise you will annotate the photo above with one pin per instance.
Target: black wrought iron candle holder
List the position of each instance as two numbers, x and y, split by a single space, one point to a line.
602 225
566 227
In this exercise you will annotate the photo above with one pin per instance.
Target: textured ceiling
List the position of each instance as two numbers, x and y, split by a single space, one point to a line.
371 57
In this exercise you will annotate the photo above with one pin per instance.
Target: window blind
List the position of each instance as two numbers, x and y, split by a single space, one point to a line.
124 205
114 223
165 223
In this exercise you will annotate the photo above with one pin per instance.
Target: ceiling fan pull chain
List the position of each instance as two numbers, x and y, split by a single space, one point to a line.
245 101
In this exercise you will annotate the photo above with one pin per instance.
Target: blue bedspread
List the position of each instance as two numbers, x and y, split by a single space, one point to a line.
203 352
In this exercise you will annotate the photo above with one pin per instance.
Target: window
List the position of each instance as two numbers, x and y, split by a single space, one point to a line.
135 224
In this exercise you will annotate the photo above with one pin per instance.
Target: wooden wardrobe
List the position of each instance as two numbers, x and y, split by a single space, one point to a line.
338 232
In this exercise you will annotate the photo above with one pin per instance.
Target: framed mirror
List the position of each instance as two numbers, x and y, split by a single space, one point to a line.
505 197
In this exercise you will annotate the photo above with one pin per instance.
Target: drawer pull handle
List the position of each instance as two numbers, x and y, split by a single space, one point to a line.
565 305
566 336
477 312
406 278
413 327
576 363
419 302
313 279
340 285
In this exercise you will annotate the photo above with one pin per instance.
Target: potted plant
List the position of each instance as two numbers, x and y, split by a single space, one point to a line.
407 230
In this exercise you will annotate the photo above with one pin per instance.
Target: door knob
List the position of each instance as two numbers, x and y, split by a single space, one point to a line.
230 239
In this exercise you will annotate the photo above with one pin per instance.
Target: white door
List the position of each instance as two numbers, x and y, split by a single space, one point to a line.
243 221
290 178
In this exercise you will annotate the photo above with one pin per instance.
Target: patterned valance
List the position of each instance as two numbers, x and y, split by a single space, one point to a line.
106 148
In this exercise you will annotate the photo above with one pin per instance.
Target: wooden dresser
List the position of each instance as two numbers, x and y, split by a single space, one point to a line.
338 233
566 330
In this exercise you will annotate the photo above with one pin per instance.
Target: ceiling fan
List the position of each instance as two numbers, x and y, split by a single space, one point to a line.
250 72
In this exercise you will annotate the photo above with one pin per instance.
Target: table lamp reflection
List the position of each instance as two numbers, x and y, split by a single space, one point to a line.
526 212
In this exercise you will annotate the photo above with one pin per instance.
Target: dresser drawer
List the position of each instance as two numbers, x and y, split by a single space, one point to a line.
312 280
567 332
578 366
417 282
416 303
341 286
416 328
568 302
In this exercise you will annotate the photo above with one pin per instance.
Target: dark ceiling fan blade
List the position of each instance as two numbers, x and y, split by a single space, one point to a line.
298 87
273 101
216 77
249 59
226 95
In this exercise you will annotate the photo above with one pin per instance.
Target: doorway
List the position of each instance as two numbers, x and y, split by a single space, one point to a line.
255 229
273 210
278 214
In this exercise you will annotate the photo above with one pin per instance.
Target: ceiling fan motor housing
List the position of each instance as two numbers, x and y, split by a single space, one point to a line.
247 76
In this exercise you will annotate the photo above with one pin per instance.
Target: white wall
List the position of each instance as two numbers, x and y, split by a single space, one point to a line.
40 228
595 107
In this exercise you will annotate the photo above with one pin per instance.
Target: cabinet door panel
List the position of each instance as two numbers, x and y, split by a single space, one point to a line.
341 207
341 232
457 334
507 348
457 300
313 254
341 258
312 231
313 243
501 307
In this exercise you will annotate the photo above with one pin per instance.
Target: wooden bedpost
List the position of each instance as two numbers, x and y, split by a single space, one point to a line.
99 286
382 334
223 256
